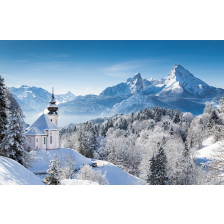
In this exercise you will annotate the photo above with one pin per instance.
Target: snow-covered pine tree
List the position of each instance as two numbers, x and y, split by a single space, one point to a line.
221 104
171 130
87 139
13 142
67 164
53 173
209 107
187 164
3 113
176 119
152 176
157 114
213 120
158 168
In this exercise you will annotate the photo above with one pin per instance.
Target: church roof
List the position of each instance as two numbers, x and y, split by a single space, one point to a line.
40 125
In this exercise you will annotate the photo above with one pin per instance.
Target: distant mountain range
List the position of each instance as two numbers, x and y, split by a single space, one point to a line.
34 99
178 90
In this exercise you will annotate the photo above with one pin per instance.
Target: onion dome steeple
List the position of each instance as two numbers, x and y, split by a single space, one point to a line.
52 106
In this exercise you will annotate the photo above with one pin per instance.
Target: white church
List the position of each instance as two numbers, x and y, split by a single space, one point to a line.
44 133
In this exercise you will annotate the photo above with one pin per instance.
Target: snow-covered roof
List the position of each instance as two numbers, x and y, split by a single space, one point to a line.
40 125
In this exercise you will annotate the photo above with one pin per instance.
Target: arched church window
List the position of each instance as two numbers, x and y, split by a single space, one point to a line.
51 138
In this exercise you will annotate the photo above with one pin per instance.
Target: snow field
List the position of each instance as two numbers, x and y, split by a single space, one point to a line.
12 173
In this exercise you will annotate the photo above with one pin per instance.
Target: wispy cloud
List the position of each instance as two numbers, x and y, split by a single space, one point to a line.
124 66
125 69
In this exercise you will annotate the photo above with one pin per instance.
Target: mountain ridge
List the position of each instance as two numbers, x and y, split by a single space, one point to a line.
180 90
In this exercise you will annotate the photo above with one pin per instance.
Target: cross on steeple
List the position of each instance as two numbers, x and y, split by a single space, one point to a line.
52 92
52 107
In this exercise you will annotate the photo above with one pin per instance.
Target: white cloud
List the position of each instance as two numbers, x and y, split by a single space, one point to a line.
127 68
124 66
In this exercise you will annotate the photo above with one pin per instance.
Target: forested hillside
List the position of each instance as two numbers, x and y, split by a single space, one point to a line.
156 145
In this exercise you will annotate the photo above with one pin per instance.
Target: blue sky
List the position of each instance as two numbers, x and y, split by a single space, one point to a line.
87 67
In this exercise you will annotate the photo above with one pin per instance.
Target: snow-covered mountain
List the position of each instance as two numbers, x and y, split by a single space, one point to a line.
178 90
132 86
34 99
180 82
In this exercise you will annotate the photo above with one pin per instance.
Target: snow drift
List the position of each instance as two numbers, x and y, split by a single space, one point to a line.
12 173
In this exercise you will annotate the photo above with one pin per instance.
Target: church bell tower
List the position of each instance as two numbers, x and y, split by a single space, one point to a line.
53 108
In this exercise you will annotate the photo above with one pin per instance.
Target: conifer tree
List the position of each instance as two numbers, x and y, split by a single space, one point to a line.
13 142
157 114
152 176
209 107
176 119
221 104
171 131
3 113
161 167
158 168
213 120
53 173
187 167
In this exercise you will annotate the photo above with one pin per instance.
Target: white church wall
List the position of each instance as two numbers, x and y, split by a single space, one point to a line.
53 118
37 142
44 142
54 143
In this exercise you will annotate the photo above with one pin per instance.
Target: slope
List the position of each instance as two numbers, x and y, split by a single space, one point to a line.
114 174
12 173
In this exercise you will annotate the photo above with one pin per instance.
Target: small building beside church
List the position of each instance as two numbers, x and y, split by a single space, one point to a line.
44 132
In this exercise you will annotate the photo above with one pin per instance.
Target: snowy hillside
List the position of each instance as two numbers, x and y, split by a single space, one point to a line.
209 149
114 174
12 173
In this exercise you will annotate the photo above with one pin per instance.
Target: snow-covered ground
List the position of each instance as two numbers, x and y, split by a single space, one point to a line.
117 176
209 149
41 159
77 182
12 173
114 174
